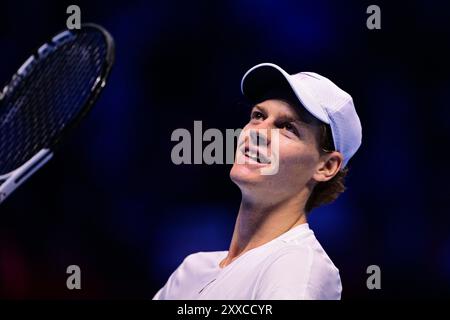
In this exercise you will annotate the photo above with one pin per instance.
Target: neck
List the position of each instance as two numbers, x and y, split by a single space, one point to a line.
258 223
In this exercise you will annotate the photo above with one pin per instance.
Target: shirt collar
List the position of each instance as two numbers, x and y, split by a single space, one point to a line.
294 232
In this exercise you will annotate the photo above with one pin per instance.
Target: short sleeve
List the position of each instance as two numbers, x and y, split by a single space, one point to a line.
164 292
300 274
159 295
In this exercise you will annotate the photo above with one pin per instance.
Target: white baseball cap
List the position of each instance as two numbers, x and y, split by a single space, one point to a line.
321 97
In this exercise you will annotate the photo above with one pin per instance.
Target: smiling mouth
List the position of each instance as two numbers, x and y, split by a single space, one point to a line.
255 155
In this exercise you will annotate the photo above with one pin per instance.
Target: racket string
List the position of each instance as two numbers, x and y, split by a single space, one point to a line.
37 108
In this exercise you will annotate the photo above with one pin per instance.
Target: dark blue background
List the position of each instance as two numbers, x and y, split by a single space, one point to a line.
113 203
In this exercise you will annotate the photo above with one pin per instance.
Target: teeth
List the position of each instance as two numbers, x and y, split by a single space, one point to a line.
254 155
250 155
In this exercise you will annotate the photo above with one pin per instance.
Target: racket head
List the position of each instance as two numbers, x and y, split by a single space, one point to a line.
51 93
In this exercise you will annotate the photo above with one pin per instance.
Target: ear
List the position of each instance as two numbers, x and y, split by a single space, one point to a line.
329 165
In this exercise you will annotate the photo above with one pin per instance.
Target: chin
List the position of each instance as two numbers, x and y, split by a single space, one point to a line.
244 174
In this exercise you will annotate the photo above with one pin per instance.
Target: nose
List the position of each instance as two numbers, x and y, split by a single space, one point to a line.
260 136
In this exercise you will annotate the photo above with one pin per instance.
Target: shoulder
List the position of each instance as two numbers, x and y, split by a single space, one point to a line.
193 269
309 260
202 255
203 258
301 271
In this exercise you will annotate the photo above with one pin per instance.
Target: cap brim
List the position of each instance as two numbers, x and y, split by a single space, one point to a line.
262 77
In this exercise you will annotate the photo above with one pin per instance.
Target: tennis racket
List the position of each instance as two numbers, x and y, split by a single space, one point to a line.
47 97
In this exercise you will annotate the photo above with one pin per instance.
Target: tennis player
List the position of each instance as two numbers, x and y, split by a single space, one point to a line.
273 253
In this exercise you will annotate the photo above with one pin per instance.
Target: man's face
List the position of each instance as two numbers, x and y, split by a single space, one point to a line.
298 151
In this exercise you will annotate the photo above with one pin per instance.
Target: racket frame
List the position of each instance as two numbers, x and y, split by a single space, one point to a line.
12 180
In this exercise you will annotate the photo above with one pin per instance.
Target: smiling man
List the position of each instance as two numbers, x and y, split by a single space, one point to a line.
273 253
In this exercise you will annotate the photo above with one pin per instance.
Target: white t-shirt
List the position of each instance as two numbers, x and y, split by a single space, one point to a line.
292 266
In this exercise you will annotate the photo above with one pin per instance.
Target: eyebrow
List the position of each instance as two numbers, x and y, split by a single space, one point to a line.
284 117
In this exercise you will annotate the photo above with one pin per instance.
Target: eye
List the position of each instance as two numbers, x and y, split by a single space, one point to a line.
256 115
290 127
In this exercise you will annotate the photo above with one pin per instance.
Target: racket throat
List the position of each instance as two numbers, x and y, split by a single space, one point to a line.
10 182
